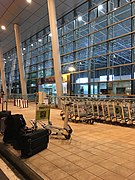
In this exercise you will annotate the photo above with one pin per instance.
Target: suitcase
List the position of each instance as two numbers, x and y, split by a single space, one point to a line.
34 142
3 116
2 125
14 124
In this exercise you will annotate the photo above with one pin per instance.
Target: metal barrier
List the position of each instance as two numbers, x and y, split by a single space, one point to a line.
22 103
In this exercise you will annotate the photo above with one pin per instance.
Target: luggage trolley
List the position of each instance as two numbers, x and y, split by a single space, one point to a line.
43 118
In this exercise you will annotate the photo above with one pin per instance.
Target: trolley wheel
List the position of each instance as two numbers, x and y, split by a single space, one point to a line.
67 136
61 113
63 118
91 121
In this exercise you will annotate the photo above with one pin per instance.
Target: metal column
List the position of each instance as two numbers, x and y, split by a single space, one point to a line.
55 47
20 61
2 73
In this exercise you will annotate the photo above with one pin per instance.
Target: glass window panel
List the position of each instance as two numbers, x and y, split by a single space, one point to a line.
59 22
113 4
40 41
122 13
68 48
69 27
101 75
34 60
34 53
100 23
48 46
81 43
33 68
33 75
116 73
68 17
28 62
120 43
99 36
81 20
49 72
99 62
83 54
41 58
82 31
93 13
68 58
102 9
40 66
68 37
122 2
120 29
45 39
126 71
123 57
82 65
100 49
64 69
48 63
40 74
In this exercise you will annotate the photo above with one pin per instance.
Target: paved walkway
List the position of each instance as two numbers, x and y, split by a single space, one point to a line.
95 152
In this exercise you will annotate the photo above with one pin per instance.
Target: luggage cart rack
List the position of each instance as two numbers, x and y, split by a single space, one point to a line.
43 118
110 111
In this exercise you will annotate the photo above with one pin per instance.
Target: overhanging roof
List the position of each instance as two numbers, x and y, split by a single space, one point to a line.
31 17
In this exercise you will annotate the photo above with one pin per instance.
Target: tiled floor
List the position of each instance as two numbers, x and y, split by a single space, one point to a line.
96 152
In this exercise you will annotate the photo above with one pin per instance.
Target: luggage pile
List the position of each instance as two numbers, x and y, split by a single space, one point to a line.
29 140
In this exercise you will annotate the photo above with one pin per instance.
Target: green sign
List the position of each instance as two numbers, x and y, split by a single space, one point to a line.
42 113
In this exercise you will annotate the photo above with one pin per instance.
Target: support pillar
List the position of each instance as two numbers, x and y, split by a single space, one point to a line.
2 73
55 47
20 62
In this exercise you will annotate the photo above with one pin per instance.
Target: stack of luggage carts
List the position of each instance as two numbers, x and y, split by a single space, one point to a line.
112 110
29 140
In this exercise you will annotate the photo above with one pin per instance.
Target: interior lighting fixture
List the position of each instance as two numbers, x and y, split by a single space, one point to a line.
115 8
71 69
24 49
79 18
40 40
50 34
3 27
32 45
100 7
29 1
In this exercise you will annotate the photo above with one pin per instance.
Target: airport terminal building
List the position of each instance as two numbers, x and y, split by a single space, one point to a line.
96 38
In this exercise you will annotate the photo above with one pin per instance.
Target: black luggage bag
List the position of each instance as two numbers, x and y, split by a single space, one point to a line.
34 142
14 124
3 116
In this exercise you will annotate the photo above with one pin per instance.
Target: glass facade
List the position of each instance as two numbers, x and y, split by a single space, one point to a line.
97 38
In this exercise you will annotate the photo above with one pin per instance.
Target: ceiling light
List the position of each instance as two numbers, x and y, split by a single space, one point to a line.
79 18
29 1
50 34
71 69
24 49
100 7
40 40
32 45
3 27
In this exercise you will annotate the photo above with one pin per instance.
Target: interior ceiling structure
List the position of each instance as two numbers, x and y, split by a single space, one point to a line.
30 17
